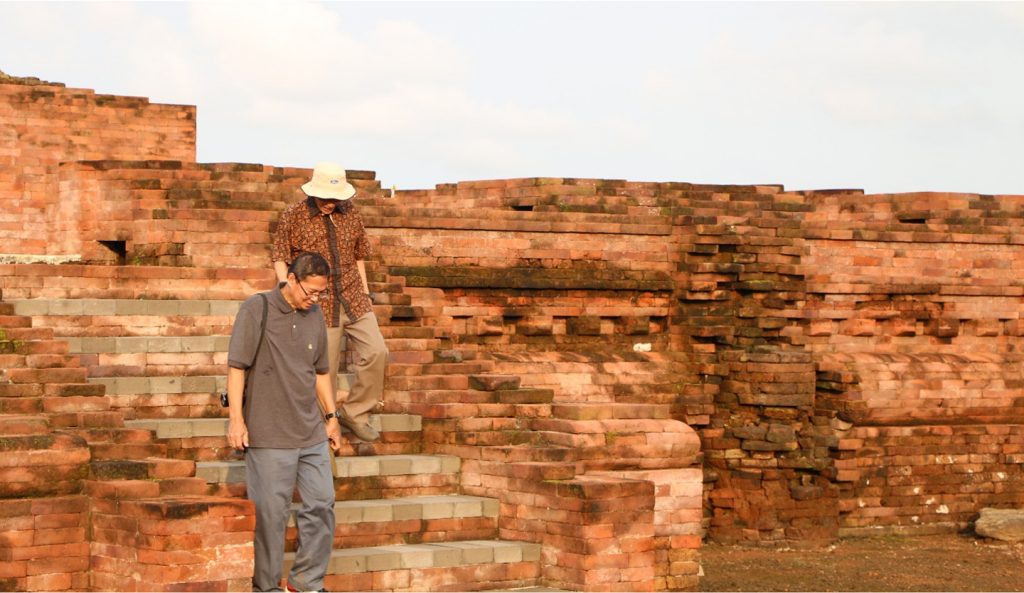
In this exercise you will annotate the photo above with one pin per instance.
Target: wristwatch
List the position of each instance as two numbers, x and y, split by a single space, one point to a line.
329 416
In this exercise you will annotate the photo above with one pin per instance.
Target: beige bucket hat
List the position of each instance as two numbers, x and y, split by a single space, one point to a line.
329 183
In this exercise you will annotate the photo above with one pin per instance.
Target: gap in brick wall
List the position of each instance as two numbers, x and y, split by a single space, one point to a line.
119 248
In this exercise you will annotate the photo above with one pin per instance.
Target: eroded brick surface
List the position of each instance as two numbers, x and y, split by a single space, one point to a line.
625 367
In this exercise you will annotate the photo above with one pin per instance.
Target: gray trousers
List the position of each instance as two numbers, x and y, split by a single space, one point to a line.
371 359
271 478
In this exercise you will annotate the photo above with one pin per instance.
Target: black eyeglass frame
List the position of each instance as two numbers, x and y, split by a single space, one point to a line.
316 296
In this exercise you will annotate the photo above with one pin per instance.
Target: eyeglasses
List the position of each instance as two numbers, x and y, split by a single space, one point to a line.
316 296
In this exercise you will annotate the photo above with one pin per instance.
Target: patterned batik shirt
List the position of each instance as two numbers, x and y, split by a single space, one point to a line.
341 239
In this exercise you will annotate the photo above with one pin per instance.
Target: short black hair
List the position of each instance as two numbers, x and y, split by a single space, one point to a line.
309 264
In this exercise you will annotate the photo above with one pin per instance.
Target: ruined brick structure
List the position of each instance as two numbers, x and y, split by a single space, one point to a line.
587 376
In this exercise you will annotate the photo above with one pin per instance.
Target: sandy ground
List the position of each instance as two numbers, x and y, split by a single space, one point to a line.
887 563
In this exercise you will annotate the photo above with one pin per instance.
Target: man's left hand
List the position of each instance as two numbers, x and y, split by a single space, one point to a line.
334 434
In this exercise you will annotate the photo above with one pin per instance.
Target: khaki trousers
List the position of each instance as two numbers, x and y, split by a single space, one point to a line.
364 339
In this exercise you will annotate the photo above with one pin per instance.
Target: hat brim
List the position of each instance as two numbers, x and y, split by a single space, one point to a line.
335 192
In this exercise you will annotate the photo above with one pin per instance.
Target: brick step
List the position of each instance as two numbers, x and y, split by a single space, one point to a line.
75 404
149 344
11 321
525 396
390 297
40 465
609 411
29 375
146 488
170 391
80 389
494 382
452 409
481 432
35 346
466 396
203 439
99 436
39 361
87 420
13 360
187 347
471 565
397 312
593 359
135 327
381 466
645 393
427 382
141 469
492 438
439 368
405 356
119 451
149 281
26 334
576 195
501 218
217 427
20 390
396 332
162 385
409 520
392 286
413 344
23 425
24 404
513 453
126 307
440 396
623 443
452 355
7 308
182 364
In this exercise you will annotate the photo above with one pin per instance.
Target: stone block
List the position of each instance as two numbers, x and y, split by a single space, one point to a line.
1002 524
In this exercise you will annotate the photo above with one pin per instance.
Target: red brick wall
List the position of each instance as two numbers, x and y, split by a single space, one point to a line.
43 124
809 334
43 544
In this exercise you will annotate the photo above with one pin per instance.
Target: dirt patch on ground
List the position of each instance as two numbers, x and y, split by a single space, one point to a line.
887 563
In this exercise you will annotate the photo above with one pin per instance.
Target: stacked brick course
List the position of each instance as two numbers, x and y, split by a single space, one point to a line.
625 367
44 124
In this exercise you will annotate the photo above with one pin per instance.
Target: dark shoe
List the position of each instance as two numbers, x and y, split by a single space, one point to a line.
362 430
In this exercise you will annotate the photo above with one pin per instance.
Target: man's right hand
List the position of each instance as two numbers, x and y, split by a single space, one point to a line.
238 434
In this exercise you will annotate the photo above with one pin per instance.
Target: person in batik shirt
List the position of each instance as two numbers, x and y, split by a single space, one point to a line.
327 222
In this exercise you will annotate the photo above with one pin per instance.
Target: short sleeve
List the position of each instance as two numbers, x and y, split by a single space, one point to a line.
363 250
322 363
244 335
281 248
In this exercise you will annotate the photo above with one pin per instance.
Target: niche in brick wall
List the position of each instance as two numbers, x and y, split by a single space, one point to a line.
119 249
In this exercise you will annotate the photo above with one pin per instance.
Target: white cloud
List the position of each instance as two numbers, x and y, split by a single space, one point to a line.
300 70
304 50
877 95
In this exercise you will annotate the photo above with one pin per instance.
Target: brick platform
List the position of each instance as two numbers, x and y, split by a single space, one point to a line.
614 370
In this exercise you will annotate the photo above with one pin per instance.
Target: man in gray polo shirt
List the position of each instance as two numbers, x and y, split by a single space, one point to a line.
287 424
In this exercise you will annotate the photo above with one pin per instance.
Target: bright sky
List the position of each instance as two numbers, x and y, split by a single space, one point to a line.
888 97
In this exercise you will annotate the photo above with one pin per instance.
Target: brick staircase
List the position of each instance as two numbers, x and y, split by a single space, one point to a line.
75 468
511 390
477 446
401 520
553 340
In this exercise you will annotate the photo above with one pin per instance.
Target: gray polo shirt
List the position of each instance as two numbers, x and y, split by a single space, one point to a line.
281 410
